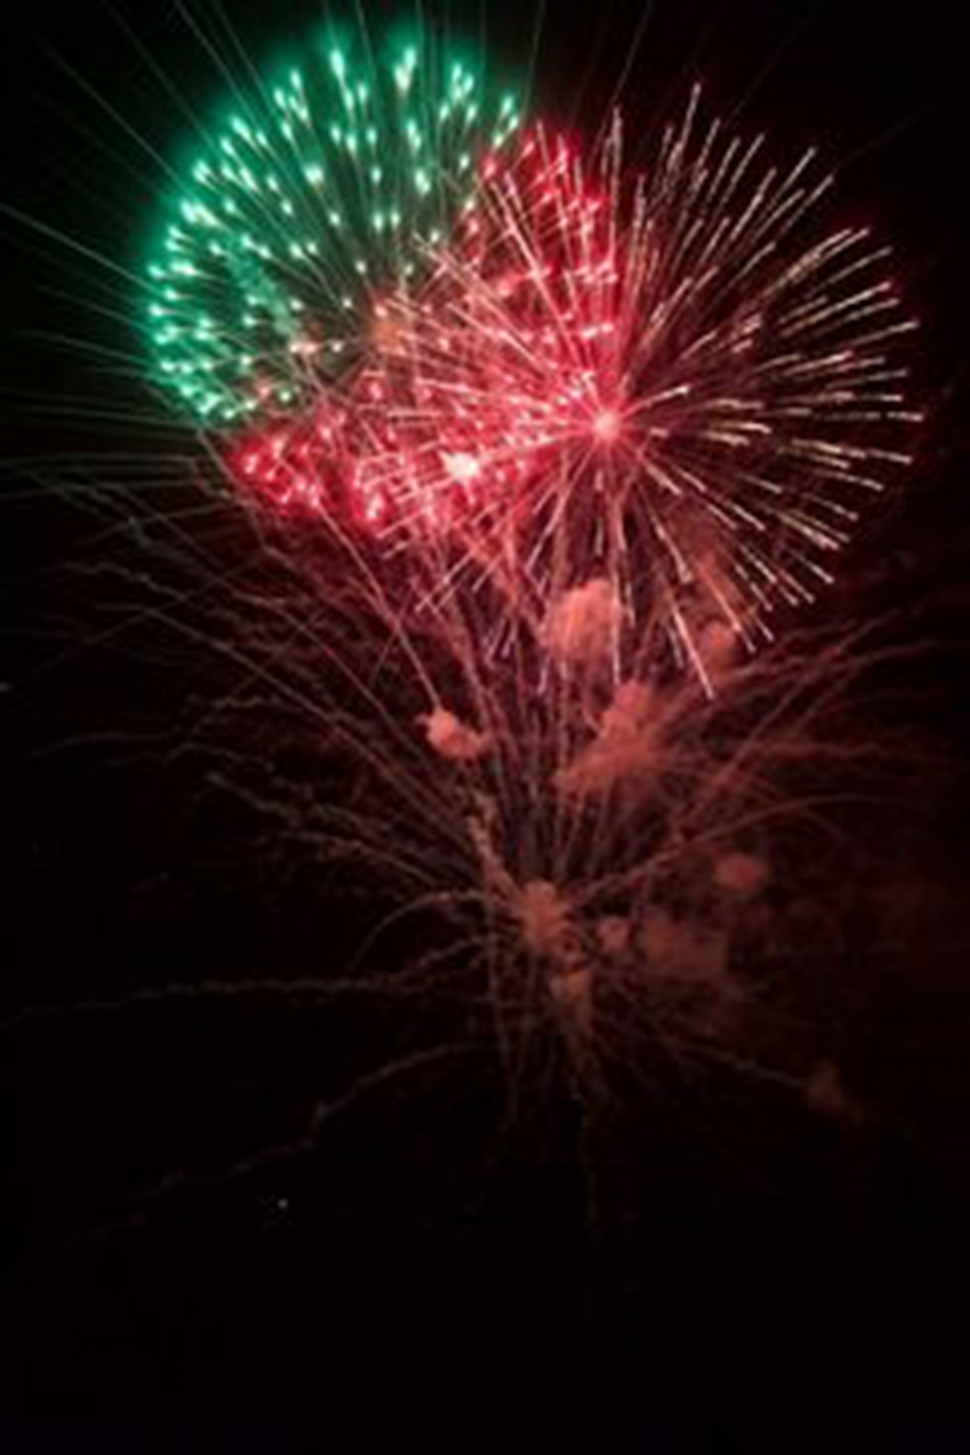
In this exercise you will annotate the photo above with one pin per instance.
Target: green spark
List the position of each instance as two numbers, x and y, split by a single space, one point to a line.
321 188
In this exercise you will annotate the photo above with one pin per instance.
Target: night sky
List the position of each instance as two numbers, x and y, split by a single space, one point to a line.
190 1255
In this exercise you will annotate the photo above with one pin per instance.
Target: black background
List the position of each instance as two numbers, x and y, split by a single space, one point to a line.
409 1268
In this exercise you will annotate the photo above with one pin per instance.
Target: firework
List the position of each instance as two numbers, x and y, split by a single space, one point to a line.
536 429
622 418
619 420
682 380
318 190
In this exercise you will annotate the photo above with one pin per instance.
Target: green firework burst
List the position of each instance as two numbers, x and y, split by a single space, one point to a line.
305 201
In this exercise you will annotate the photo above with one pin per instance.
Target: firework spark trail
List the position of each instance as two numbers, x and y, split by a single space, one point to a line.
597 856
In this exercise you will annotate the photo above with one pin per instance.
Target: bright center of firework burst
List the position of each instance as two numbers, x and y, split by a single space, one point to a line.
607 426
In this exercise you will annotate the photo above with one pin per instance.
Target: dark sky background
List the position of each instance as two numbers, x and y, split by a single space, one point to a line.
411 1268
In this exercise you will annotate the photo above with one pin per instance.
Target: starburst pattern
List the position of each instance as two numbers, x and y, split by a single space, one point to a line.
683 380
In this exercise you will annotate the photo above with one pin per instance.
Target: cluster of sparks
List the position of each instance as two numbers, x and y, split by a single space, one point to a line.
570 427
300 205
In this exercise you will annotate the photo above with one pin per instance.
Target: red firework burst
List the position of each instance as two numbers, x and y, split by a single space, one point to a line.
676 380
